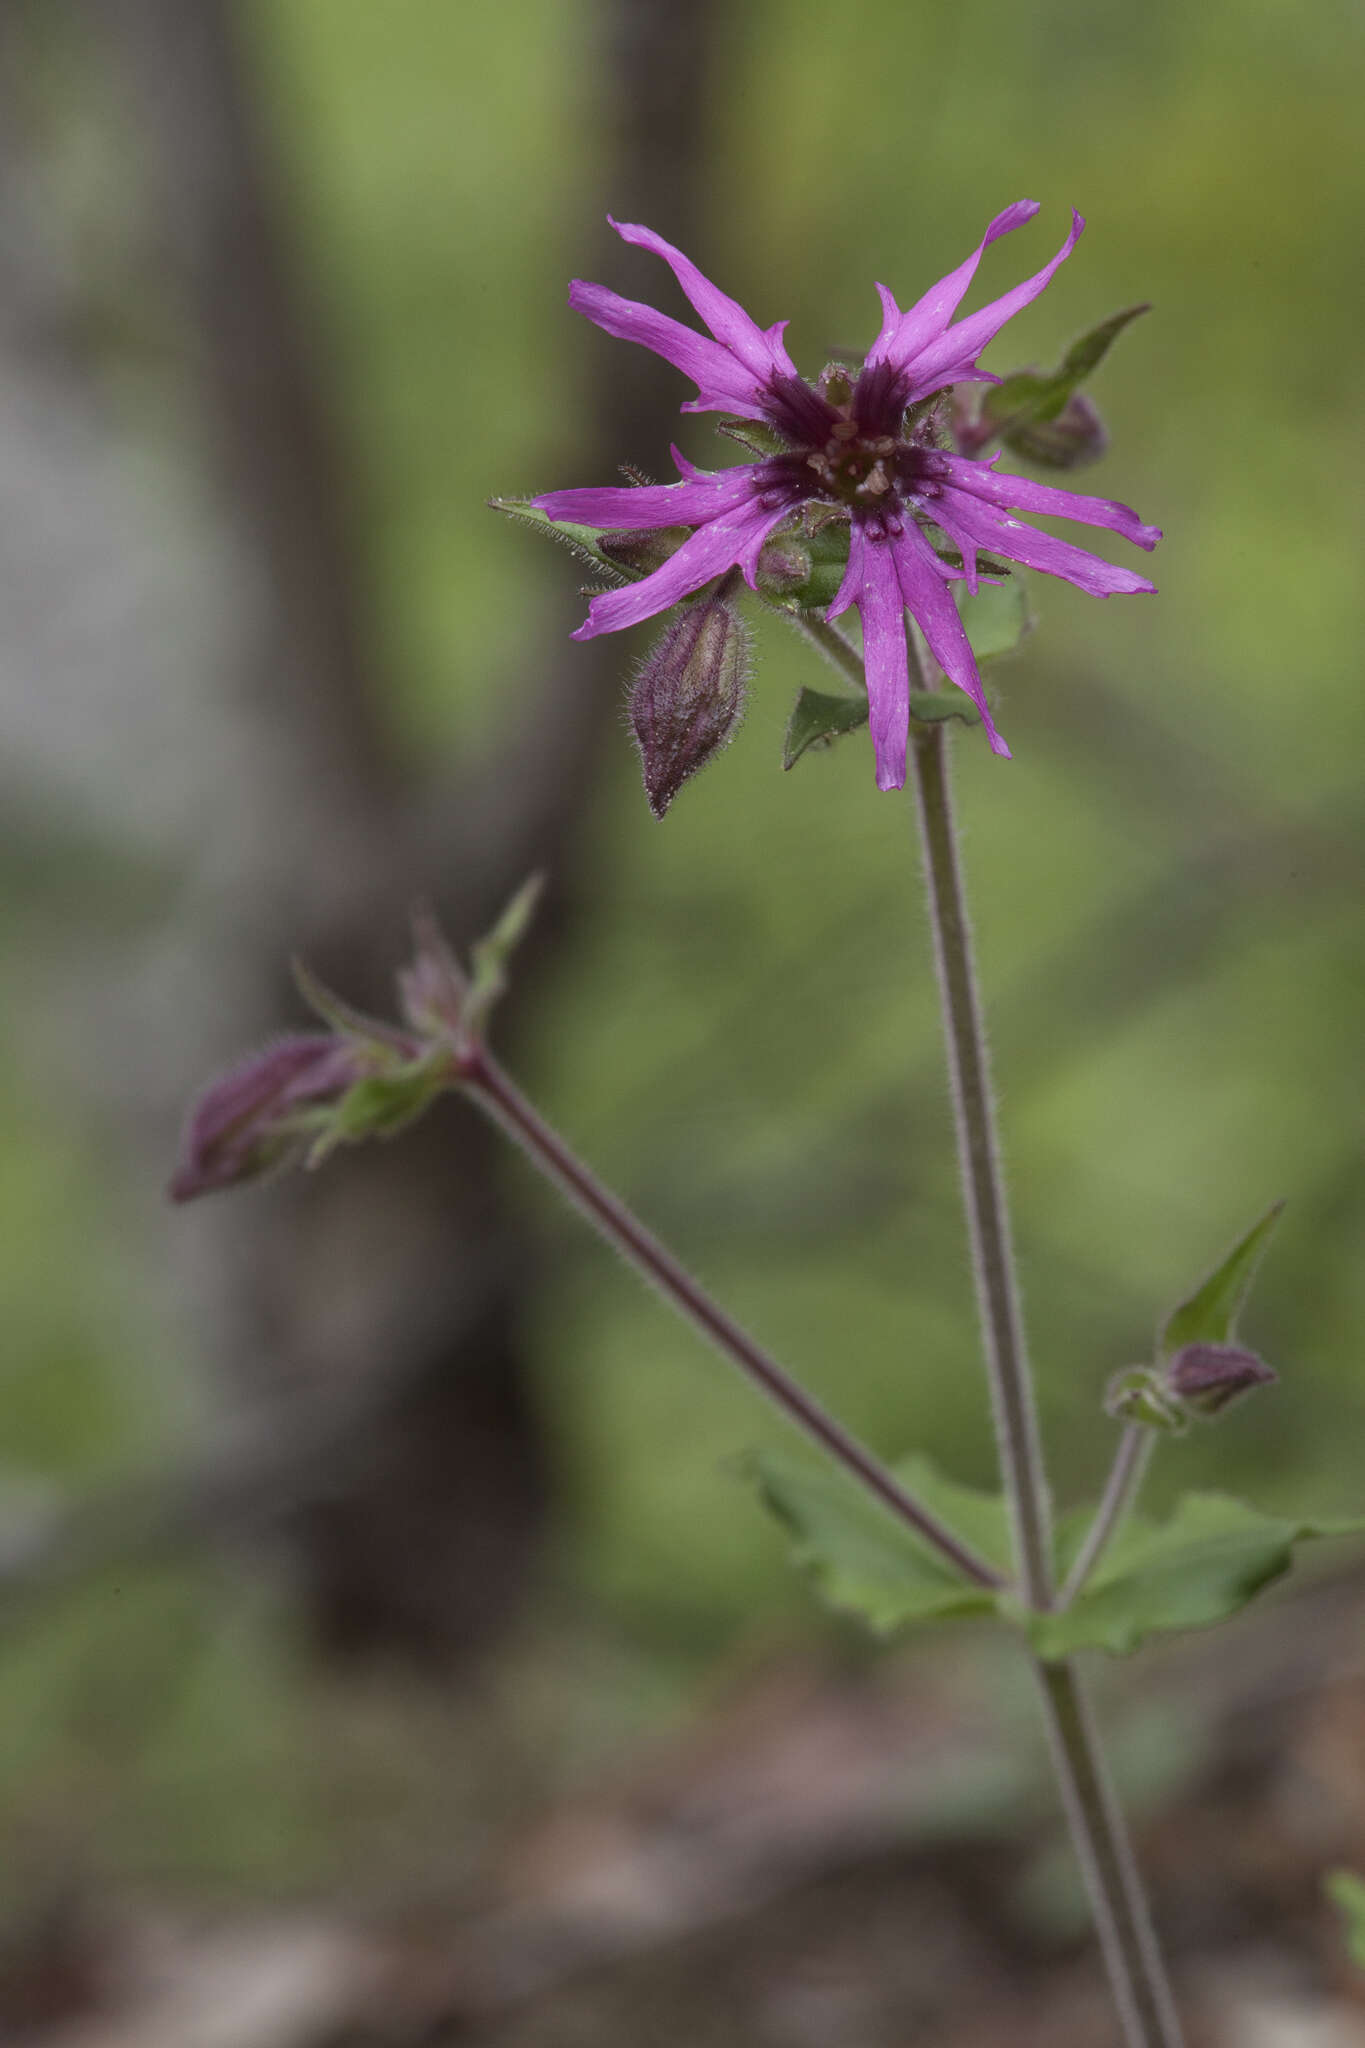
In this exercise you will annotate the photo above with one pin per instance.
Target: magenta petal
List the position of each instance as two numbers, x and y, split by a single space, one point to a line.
871 582
953 355
760 353
634 508
904 334
724 384
995 530
1021 494
732 540
929 598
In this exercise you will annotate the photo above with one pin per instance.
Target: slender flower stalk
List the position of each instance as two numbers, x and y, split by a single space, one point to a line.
1136 1974
497 1095
1002 1323
1121 1491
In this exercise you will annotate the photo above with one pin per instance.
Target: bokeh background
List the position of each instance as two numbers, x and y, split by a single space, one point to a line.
390 1648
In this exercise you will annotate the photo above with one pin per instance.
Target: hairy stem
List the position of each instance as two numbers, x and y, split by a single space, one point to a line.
1121 1490
495 1093
1016 1421
1137 1976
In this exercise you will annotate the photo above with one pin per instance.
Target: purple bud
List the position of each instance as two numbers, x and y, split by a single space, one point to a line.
1077 436
689 696
241 1125
1205 1377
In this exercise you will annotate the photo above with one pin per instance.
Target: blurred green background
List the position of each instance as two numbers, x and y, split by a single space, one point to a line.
738 1025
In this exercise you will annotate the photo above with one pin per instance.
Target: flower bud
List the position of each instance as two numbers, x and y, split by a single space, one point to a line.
248 1120
1206 1377
1075 437
688 697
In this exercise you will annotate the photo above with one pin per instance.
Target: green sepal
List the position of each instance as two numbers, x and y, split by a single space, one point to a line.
1204 1564
488 956
818 719
1209 1315
864 1562
995 617
1347 1893
343 1017
756 436
1035 395
379 1106
1139 1394
582 541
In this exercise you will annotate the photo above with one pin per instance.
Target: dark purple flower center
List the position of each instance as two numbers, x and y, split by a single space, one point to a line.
868 468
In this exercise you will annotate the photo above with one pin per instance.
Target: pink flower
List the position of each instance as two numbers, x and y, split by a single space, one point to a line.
863 447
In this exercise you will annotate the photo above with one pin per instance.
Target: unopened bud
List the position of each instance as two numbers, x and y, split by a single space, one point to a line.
688 697
246 1122
1075 437
1206 1377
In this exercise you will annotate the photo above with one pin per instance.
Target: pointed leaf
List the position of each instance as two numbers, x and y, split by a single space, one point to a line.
1209 1315
817 719
931 707
864 1562
1038 395
996 617
489 955
1204 1564
341 1015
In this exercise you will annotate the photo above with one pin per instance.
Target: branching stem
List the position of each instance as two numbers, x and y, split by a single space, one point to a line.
495 1093
1121 1490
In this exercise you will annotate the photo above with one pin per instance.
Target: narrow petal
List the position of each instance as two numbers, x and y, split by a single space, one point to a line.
903 335
723 383
930 600
952 357
636 507
1021 494
871 582
732 540
760 353
964 514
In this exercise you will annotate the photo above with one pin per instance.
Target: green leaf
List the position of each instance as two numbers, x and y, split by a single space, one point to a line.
996 618
819 718
1209 1315
861 1560
1347 1893
931 707
755 435
341 1015
489 955
1036 395
1212 1557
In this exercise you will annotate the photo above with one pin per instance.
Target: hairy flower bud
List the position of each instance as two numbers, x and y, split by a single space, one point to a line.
1206 1377
246 1122
688 697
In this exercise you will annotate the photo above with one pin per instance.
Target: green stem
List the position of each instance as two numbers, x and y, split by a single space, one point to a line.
498 1096
1016 1420
1137 1975
1121 1490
